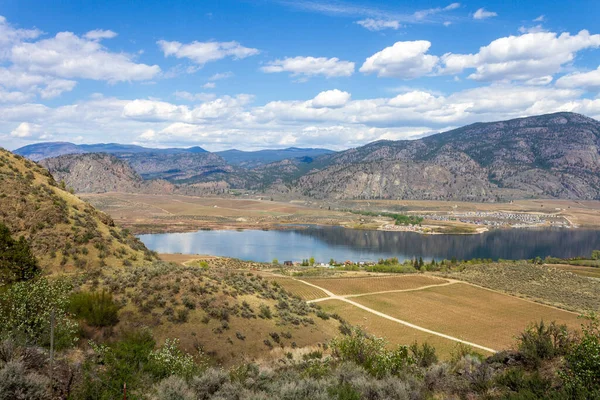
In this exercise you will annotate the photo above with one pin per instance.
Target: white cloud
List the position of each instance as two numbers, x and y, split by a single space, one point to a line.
203 52
532 29
99 34
405 60
588 80
311 66
422 14
483 14
209 85
523 57
10 36
541 18
228 122
221 75
69 56
331 98
379 24
25 130
194 96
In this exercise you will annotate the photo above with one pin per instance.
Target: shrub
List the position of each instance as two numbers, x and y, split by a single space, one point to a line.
424 355
582 377
543 342
371 353
26 308
170 360
17 383
96 308
208 383
17 263
174 388
265 312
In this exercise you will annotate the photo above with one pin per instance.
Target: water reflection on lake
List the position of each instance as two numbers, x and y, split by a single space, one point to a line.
324 243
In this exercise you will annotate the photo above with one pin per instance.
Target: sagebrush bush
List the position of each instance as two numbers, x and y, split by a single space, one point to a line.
17 383
174 388
543 341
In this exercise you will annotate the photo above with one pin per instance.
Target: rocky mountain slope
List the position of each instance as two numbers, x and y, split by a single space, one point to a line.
64 232
253 159
553 155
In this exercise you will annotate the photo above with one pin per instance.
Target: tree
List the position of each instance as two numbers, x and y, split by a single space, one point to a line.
311 261
17 263
421 263
332 262
596 254
275 261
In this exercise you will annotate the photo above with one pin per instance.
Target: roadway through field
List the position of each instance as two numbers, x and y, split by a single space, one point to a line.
346 299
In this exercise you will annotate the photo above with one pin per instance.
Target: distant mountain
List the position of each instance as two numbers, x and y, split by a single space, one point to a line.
554 155
39 151
253 159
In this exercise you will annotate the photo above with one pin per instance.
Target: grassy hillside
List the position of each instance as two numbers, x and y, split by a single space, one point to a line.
65 233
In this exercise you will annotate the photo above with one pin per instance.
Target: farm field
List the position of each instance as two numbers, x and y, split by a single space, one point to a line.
393 332
298 288
361 285
467 312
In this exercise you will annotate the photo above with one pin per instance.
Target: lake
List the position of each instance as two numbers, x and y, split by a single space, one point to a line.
324 243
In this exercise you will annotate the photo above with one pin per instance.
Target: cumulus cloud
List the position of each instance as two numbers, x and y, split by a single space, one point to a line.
311 66
69 56
587 80
331 98
99 34
379 24
483 14
405 60
523 57
25 130
331 118
209 85
204 52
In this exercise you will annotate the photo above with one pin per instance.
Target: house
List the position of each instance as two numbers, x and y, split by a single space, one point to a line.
288 263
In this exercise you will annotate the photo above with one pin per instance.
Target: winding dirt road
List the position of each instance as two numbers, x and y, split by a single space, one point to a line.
346 299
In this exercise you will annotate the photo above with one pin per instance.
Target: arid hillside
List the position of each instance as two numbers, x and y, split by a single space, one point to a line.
64 232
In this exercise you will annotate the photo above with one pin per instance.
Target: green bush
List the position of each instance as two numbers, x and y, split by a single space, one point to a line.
371 353
17 263
26 309
582 377
542 342
96 308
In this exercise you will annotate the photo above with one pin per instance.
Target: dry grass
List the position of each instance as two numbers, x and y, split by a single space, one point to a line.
298 288
395 333
592 272
540 283
467 312
359 285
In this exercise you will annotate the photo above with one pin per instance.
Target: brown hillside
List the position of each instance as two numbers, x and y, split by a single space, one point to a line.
65 232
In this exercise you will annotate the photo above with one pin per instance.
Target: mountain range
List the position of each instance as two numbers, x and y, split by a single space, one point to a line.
553 156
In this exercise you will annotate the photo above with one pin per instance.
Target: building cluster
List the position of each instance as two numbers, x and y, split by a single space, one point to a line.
501 219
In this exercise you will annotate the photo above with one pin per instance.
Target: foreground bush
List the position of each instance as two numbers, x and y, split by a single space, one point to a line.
26 309
17 263
371 353
96 308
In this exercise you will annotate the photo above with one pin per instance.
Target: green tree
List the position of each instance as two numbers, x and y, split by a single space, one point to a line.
596 254
311 261
421 263
275 261
17 263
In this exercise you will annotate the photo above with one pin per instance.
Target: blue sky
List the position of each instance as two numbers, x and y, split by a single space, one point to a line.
254 74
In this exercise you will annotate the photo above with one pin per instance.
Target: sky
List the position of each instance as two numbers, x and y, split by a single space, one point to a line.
256 74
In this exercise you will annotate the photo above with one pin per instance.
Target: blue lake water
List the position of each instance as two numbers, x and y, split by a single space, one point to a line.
324 243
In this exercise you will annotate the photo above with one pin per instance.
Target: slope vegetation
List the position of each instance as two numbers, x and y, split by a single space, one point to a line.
64 232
